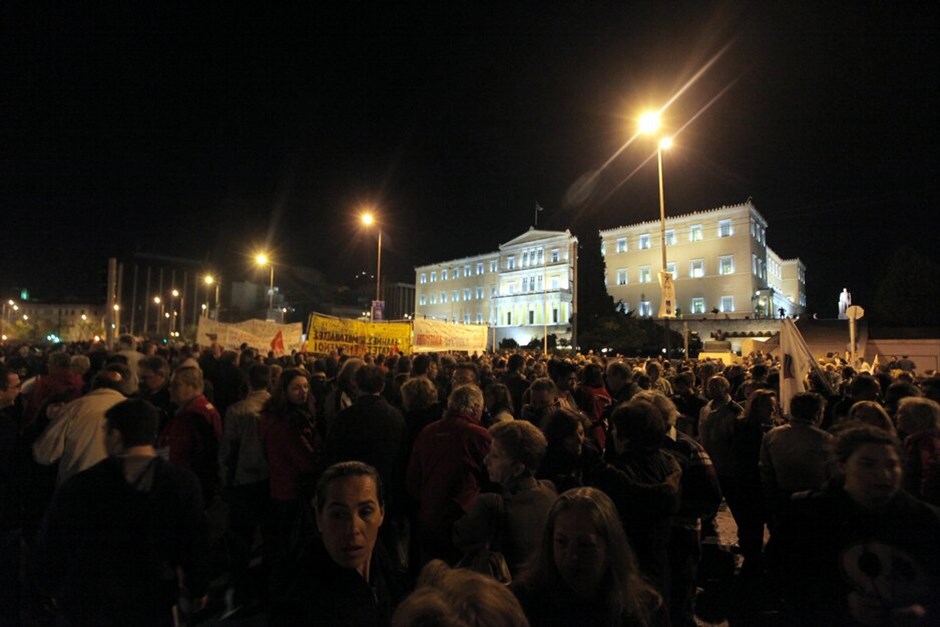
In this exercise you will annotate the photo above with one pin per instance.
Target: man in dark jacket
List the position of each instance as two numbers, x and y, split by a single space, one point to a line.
116 534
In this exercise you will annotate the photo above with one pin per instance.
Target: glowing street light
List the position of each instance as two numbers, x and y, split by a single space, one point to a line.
649 122
262 259
368 219
210 280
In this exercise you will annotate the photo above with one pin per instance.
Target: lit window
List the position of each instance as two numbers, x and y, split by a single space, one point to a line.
508 317
466 293
646 308
696 232
424 277
727 304
603 249
525 284
466 318
525 259
622 245
444 274
755 266
644 241
554 282
443 297
622 276
531 317
433 277
479 318
511 262
672 269
479 293
645 274
455 296
726 264
456 272
423 300
494 265
555 255
724 228
479 268
433 299
697 268
671 237
493 292
555 315
698 305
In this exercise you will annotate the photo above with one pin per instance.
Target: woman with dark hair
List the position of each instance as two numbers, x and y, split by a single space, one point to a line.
498 402
570 457
294 451
584 571
863 550
594 400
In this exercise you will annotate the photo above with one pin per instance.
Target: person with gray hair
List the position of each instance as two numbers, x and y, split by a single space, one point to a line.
446 471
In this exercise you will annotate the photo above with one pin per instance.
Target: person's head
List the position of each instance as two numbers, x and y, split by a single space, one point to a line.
564 375
9 387
419 365
663 403
516 452
127 342
350 508
807 407
153 373
653 370
497 398
871 461
466 372
515 363
418 393
58 362
759 372
897 391
186 385
346 378
564 431
292 388
593 375
864 387
80 364
584 548
916 414
259 377
130 424
543 393
637 425
618 375
717 388
370 380
872 414
762 406
684 383
446 597
466 400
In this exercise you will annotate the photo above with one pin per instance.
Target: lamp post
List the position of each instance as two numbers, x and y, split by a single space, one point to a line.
175 293
368 220
210 280
262 260
649 124
158 301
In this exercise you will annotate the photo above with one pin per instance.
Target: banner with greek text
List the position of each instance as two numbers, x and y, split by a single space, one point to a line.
260 334
357 337
433 336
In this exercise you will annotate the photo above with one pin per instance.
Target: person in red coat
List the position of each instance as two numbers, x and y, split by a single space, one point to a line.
446 470
191 437
60 381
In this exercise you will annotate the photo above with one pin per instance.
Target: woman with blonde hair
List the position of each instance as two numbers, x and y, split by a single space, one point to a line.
584 571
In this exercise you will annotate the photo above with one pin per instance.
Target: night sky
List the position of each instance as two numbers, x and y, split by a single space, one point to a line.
205 133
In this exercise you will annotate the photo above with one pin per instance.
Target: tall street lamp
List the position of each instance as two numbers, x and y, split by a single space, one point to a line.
262 259
210 280
649 124
159 302
368 220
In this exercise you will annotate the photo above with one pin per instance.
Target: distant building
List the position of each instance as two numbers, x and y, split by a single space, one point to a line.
718 258
70 322
524 289
399 300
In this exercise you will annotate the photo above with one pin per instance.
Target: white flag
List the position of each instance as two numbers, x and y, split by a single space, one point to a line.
796 362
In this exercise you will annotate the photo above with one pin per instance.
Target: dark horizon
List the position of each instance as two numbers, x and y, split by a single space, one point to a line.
207 135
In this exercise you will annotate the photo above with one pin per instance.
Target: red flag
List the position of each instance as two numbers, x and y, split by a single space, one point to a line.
277 344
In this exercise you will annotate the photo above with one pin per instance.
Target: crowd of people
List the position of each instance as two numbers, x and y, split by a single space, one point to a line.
154 485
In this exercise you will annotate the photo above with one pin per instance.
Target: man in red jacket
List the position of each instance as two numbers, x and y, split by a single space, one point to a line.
446 471
191 437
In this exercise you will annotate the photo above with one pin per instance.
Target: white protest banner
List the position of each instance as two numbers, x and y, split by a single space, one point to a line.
433 336
260 334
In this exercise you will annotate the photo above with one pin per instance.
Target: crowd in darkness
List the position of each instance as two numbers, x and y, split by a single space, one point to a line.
162 485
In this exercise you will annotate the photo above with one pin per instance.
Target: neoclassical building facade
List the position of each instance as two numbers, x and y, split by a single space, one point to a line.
523 291
719 260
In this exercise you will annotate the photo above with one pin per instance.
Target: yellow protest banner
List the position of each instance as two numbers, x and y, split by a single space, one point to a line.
356 337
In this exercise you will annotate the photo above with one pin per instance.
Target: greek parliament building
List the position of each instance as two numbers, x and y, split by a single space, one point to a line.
719 260
523 290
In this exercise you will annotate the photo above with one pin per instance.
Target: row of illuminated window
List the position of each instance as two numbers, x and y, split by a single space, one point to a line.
696 234
696 270
467 319
758 266
533 257
773 268
531 317
475 294
532 284
455 272
696 306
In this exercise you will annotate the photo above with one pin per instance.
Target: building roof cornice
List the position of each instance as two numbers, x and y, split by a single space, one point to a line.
747 204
